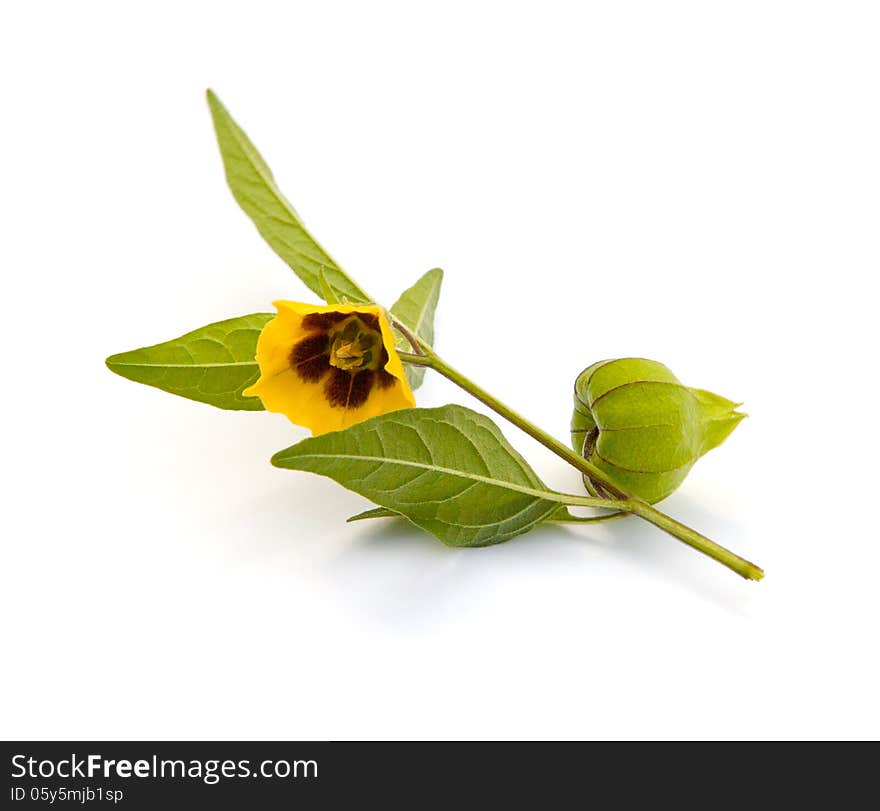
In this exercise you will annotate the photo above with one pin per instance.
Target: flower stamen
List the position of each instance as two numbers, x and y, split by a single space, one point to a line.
353 344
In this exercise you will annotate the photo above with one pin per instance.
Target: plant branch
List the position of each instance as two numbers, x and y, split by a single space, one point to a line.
701 543
413 341
414 360
622 500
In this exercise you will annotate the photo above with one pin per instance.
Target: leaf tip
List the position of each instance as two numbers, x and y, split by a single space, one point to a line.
215 106
373 512
112 362
277 459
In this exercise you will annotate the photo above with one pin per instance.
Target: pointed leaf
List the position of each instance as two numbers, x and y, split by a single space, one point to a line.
376 512
561 515
253 186
448 470
415 310
327 292
212 364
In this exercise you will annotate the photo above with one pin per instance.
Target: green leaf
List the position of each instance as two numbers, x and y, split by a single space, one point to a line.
212 364
253 186
376 512
562 515
415 310
327 292
448 470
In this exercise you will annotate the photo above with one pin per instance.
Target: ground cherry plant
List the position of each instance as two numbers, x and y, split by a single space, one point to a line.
346 369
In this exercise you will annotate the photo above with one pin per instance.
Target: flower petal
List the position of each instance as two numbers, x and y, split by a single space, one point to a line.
306 402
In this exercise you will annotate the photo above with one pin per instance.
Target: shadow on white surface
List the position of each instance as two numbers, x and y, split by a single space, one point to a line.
389 573
410 581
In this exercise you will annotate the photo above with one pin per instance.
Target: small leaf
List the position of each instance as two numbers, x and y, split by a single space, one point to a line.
448 470
212 364
328 293
562 515
415 310
254 187
376 512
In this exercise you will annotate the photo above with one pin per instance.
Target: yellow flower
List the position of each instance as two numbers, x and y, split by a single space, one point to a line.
329 367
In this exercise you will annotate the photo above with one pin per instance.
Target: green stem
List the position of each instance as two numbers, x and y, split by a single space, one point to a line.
570 500
693 538
627 501
433 361
589 519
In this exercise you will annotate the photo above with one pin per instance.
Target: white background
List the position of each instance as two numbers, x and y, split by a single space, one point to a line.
693 182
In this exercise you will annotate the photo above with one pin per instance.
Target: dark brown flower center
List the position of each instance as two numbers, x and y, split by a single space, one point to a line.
347 350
